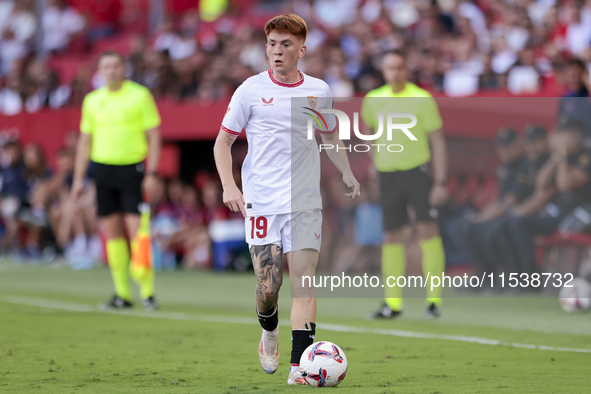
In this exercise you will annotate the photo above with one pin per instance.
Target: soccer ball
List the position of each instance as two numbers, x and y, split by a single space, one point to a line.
576 297
323 364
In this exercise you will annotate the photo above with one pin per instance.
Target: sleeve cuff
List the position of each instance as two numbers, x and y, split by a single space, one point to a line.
328 131
227 130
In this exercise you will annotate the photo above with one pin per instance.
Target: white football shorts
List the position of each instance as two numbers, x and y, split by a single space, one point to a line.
291 231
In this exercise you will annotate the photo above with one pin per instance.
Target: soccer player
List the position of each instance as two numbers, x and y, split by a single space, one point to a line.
281 163
405 179
119 128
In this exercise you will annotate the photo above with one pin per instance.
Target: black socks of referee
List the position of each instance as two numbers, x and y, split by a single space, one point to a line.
300 340
268 320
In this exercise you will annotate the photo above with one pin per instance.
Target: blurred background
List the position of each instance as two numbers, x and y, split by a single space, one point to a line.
491 64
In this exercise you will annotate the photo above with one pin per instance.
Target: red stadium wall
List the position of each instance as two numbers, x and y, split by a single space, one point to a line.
462 117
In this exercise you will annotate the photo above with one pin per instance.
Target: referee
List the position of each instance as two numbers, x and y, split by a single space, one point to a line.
405 180
119 129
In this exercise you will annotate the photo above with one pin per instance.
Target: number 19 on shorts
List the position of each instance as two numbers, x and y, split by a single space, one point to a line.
258 227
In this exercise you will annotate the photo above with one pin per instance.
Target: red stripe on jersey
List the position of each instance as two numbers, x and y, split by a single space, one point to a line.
286 85
227 130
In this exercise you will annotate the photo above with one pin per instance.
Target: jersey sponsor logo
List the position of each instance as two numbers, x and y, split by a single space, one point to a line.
228 110
267 103
317 236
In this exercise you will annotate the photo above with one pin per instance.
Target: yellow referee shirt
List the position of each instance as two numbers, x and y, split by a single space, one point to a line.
118 121
411 99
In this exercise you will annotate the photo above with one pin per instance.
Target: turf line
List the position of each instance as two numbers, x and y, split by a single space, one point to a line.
86 308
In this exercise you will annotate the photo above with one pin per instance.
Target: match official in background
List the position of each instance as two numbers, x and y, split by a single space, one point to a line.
120 128
405 180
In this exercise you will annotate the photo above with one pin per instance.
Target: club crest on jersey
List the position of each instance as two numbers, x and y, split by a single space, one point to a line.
312 101
267 103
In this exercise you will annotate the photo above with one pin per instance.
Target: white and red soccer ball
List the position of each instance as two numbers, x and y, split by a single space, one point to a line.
576 297
323 364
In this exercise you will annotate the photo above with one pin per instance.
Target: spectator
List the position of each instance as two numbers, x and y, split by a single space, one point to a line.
513 189
167 84
574 103
187 79
80 85
74 224
164 224
43 89
504 57
11 101
11 50
524 76
576 79
19 18
568 177
36 172
578 30
17 28
488 81
60 23
185 45
175 193
166 36
213 208
193 237
13 193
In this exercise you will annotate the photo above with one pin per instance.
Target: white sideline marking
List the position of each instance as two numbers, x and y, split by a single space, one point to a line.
77 307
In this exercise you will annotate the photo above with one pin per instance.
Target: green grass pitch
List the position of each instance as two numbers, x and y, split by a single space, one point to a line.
54 339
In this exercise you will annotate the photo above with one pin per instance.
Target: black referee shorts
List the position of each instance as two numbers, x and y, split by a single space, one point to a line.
118 188
400 189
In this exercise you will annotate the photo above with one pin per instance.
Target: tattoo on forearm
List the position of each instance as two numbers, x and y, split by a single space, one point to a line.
268 267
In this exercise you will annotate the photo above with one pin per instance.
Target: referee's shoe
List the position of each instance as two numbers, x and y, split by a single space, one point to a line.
118 303
385 312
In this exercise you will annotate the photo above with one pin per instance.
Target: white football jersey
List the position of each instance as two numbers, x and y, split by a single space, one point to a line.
281 171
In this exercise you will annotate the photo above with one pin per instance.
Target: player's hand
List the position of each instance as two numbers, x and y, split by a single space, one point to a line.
234 200
439 195
149 185
352 183
76 190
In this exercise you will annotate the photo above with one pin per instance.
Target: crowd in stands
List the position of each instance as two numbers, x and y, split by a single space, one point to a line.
543 184
454 47
40 220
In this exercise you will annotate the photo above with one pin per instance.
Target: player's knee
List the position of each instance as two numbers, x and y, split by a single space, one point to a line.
277 282
270 291
394 236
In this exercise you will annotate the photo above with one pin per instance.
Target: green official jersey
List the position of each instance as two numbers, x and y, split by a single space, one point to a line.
411 99
118 121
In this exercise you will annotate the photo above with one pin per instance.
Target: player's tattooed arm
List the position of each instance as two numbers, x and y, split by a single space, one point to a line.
268 267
